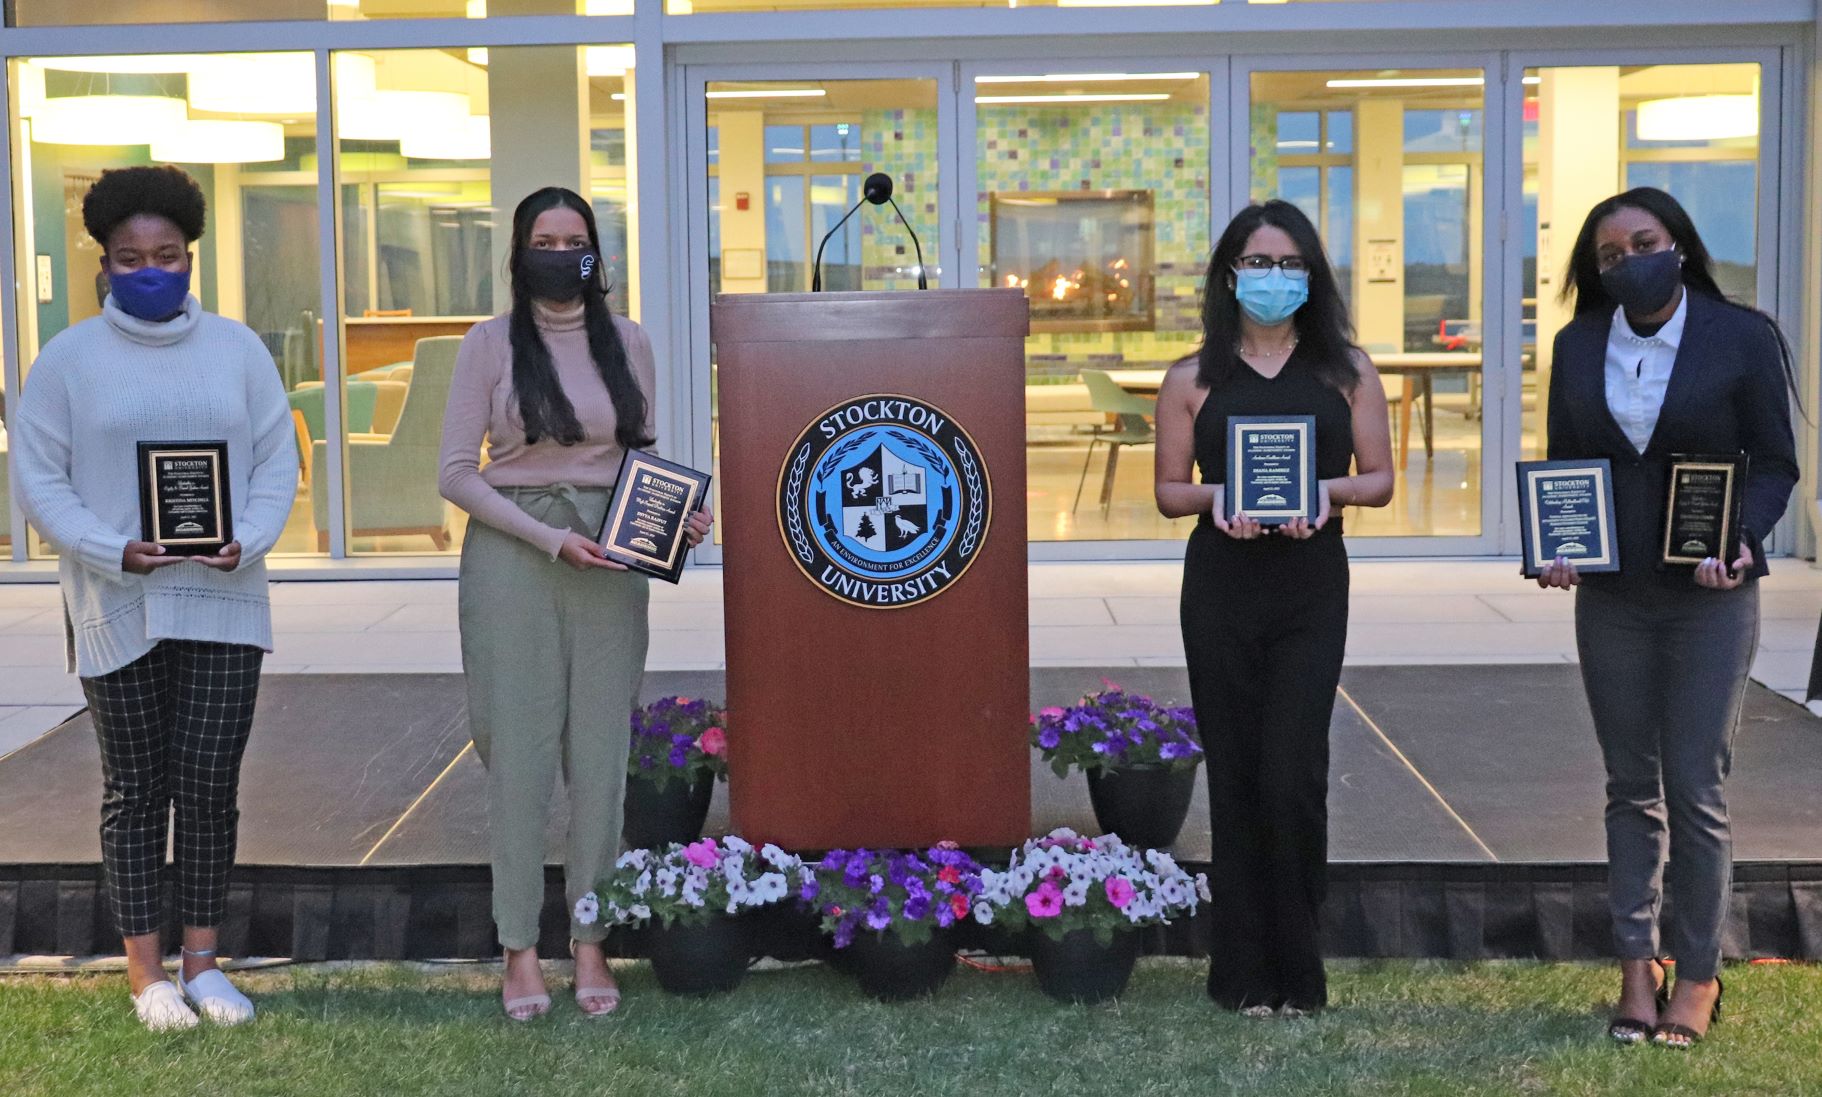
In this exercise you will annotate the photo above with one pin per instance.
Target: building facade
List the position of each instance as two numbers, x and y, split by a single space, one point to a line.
362 158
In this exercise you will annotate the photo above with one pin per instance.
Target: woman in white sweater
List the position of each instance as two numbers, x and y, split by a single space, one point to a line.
167 647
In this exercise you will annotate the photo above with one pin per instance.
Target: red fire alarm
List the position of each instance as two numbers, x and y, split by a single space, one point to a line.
741 200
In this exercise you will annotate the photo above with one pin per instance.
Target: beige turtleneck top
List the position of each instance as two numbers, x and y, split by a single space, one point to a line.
482 405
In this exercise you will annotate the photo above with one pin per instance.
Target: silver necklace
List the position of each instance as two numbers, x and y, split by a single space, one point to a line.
1286 349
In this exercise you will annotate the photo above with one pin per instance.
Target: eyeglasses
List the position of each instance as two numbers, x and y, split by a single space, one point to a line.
1257 266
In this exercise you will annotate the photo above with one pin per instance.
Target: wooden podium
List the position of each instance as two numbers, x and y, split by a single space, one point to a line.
873 518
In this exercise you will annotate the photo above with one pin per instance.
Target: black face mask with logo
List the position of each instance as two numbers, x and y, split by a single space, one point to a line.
1644 284
550 275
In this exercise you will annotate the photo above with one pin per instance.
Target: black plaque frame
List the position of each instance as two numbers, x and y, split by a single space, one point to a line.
156 526
1732 468
659 553
1533 480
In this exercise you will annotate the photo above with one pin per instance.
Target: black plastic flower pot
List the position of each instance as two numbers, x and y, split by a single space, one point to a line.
1078 968
1145 804
892 971
698 960
656 817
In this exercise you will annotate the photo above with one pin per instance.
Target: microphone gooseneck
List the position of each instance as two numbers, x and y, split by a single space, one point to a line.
877 189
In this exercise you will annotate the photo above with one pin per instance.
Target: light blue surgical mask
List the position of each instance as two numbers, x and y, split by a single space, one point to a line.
1271 297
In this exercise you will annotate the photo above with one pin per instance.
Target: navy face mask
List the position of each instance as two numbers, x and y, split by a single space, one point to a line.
551 275
150 293
1644 284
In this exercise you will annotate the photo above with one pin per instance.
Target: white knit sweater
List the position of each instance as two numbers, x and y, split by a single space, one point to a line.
95 391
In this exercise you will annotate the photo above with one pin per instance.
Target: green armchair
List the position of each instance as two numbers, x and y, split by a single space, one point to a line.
392 479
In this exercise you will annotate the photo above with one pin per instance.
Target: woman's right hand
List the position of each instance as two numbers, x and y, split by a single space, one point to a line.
1559 573
583 554
145 557
1239 527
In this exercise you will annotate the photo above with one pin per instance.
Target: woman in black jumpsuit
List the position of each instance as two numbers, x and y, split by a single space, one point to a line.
1265 609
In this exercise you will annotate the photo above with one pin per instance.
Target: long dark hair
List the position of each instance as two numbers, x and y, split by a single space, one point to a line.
1582 282
543 407
1325 336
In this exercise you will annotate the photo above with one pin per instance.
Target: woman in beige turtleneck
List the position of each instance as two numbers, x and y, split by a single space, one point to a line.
559 388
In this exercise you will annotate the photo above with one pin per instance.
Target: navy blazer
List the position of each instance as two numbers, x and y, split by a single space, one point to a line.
1727 394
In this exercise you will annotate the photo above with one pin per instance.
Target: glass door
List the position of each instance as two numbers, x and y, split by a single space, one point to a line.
1391 163
780 153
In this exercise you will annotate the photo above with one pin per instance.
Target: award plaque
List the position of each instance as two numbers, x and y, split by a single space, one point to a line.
183 497
1565 509
1702 516
1271 468
644 528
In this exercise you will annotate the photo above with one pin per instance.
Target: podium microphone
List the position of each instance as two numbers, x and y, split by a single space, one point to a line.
878 190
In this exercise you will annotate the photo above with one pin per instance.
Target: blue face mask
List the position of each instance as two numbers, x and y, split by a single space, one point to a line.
150 293
1271 299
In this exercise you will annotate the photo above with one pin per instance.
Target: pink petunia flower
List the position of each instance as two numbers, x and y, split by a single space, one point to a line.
701 854
1119 892
713 742
1045 902
1051 710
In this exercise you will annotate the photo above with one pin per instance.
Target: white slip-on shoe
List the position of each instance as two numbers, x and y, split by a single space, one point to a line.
161 1008
216 998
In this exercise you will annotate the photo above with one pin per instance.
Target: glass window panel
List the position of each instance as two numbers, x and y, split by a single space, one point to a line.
1442 130
1403 236
785 145
831 196
1338 228
252 154
786 244
1094 199
1299 133
438 148
1302 187
67 13
838 142
1341 131
1714 193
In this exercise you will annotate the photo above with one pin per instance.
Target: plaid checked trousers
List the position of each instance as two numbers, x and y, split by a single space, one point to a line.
173 725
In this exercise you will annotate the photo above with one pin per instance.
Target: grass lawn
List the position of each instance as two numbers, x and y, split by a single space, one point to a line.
1397 1028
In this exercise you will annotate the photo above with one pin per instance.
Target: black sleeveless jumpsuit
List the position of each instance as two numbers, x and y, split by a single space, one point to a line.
1264 628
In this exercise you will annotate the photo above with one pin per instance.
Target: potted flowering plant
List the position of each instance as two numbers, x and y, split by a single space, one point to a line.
679 750
893 908
1085 898
691 896
1139 757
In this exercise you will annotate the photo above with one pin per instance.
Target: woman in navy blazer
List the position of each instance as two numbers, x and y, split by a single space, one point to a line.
1658 362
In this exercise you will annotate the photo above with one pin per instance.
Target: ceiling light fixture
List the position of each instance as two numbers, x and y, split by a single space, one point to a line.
1134 97
212 141
105 119
1087 78
1699 118
778 93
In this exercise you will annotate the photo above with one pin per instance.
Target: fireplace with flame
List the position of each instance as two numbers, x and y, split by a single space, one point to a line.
1083 257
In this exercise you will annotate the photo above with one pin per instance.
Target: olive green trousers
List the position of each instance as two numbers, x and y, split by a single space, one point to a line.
553 659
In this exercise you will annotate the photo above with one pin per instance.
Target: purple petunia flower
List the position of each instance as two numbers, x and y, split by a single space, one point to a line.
876 884
809 890
916 907
1049 738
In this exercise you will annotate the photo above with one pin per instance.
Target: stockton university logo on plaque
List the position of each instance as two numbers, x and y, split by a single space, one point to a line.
883 501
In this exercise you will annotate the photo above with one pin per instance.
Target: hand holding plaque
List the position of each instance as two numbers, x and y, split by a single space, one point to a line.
184 503
1702 515
1271 468
1565 511
647 521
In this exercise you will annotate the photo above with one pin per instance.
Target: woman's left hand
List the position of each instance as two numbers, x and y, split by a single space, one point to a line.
1709 573
226 560
1302 529
697 527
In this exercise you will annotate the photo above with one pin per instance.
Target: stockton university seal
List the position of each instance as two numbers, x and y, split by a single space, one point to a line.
884 501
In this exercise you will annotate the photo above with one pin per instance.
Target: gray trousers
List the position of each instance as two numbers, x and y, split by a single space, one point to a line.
1665 672
553 658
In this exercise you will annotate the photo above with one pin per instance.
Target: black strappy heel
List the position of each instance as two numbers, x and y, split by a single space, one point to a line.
1682 1037
1632 1030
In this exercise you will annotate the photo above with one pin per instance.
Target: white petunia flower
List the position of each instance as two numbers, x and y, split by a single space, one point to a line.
1076 894
1202 887
983 912
588 908
737 844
